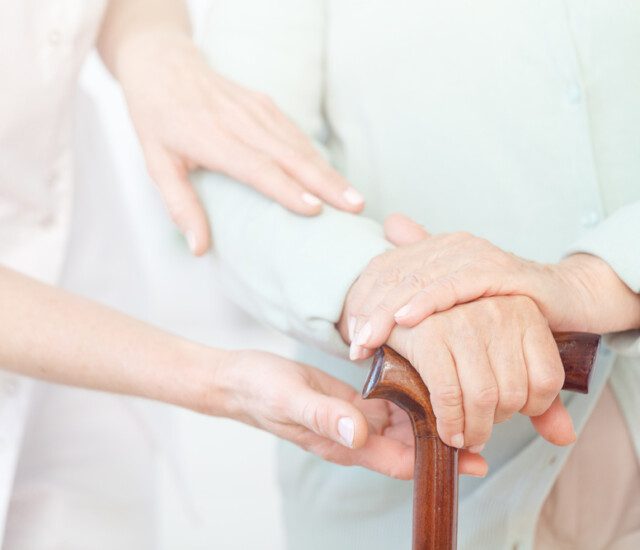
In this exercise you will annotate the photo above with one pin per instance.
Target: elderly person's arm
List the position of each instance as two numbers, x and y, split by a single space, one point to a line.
440 286
187 116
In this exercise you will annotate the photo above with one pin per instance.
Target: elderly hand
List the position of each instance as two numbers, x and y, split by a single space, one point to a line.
322 415
187 116
428 274
485 361
482 361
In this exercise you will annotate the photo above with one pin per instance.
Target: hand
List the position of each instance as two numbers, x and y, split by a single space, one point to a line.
323 415
187 116
428 274
483 362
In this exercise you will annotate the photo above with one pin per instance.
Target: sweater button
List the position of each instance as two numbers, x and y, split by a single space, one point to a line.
590 219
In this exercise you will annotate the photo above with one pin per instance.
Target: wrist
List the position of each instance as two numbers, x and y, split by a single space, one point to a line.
198 379
141 51
602 302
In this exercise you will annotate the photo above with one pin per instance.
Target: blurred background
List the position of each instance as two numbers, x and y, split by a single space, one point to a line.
216 478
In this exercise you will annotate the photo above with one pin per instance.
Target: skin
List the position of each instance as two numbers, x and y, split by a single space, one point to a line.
188 117
52 335
479 325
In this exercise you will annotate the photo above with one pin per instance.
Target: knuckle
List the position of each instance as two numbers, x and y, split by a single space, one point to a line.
312 417
391 277
378 263
548 386
485 398
447 399
415 280
511 401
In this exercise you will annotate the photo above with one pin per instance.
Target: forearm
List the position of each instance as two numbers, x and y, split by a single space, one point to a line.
126 20
291 272
50 334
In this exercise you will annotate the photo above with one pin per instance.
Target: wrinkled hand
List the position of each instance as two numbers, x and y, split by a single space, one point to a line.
187 116
324 415
427 274
483 361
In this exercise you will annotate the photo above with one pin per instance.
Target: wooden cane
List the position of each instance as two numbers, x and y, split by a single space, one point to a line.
435 490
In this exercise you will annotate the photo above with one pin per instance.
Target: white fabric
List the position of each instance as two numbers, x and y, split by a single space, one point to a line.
83 462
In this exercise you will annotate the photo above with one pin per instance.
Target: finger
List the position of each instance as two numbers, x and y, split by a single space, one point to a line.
380 454
257 170
478 384
180 199
456 287
544 369
472 464
401 230
506 358
357 303
313 172
267 129
555 424
438 370
330 417
379 323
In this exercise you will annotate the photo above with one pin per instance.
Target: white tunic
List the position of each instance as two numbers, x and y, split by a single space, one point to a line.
63 478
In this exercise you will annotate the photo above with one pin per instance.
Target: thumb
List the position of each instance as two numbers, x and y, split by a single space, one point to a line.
331 418
555 424
400 230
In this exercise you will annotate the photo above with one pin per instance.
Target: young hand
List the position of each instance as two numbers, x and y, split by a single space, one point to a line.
321 414
187 117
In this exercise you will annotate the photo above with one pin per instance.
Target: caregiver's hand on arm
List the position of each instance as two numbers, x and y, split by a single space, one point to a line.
188 117
50 334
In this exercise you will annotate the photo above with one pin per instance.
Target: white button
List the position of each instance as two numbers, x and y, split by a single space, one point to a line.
54 38
590 219
574 93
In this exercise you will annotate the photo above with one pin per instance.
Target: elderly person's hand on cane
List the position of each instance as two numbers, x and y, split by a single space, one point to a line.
489 316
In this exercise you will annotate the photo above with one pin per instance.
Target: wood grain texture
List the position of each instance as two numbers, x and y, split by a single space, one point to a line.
435 491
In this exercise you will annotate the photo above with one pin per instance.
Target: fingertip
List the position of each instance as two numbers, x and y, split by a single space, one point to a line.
198 241
472 465
307 205
361 430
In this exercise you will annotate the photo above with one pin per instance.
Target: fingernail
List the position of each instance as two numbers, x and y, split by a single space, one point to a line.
365 333
355 351
476 449
403 311
478 475
353 197
346 429
311 199
352 327
191 240
457 441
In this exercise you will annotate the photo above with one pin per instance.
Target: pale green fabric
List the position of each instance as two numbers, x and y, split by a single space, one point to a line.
516 120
